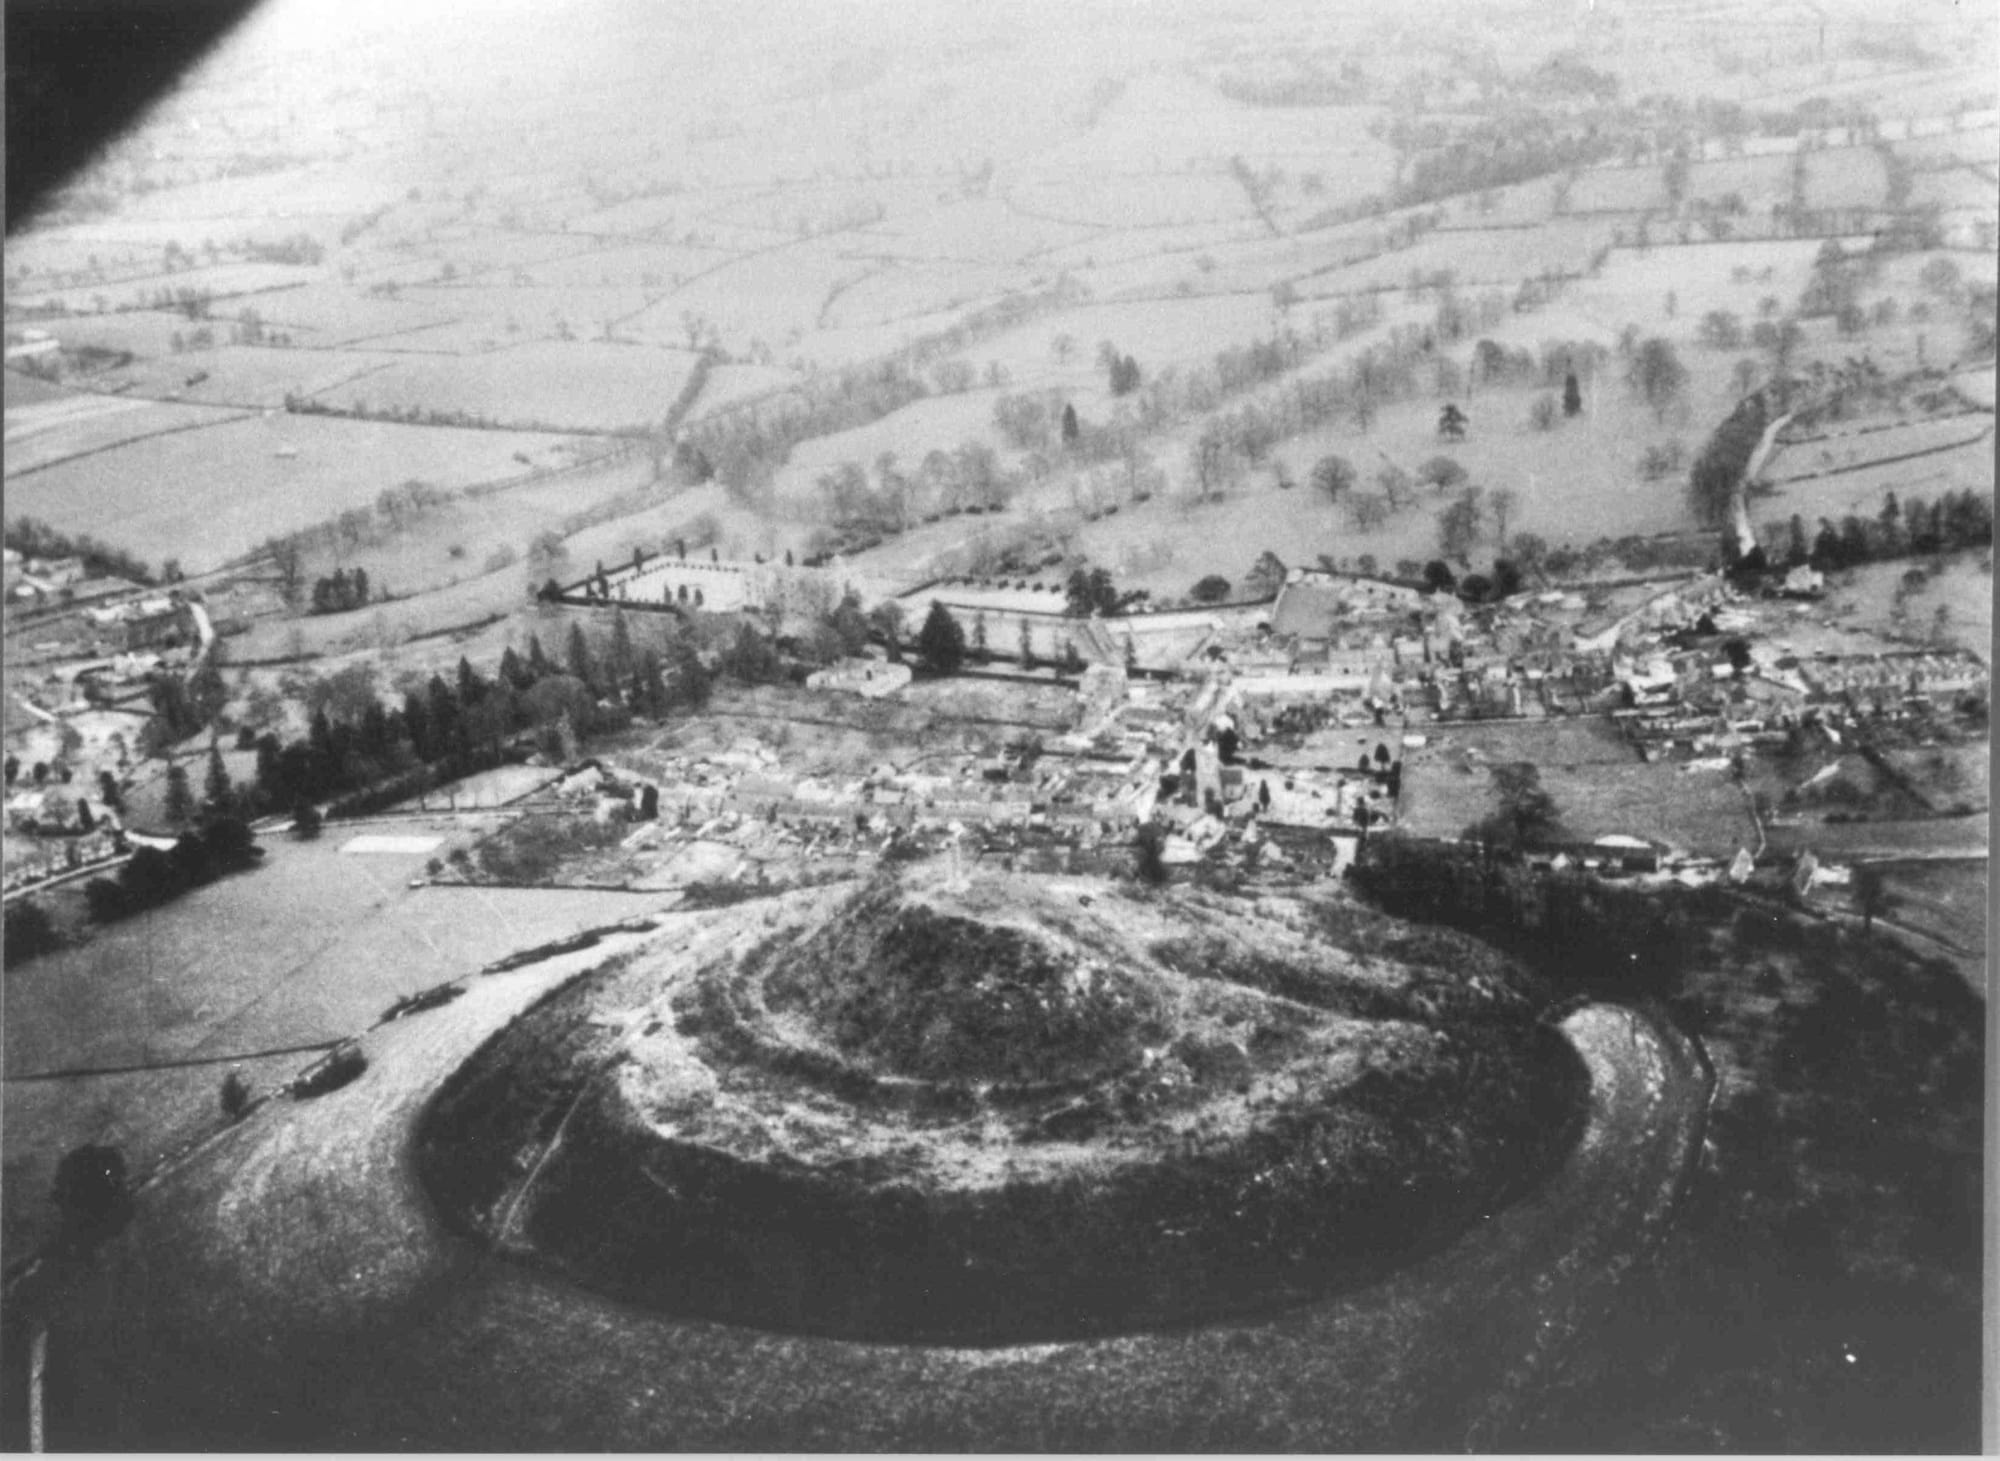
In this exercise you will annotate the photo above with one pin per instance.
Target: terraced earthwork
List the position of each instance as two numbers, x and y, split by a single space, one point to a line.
923 1109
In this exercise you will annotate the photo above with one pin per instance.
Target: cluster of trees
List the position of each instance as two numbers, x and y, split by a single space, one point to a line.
340 592
1572 922
1091 591
152 877
32 538
944 484
1718 468
194 303
1122 371
183 704
1654 373
1901 529
298 248
394 509
29 933
412 414
448 728
744 447
1493 153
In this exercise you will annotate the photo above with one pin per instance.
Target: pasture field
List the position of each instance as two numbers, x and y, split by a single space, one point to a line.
1902 275
226 282
1860 490
1641 189
466 539
1840 446
255 376
1759 180
1258 264
1954 190
1635 283
1444 792
729 384
1976 385
41 435
630 266
142 332
318 945
19 389
1573 485
973 231
775 295
895 291
934 422
470 317
1946 900
1524 204
570 385
1163 120
1846 177
1163 199
1100 255
1155 332
210 495
473 249
805 207
334 314
1502 256
1977 147
1864 598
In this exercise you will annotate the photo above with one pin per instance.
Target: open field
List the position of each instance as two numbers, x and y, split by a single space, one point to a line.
328 314
242 375
1503 256
1619 190
1758 181
728 385
1949 468
1444 792
226 283
1847 177
318 945
1865 598
46 433
215 493
575 385
1947 900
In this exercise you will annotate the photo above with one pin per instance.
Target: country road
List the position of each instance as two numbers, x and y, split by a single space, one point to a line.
287 1286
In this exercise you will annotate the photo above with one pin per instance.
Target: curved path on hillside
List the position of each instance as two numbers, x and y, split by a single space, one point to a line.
287 1287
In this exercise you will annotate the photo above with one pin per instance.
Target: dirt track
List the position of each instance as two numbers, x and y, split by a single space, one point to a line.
288 1287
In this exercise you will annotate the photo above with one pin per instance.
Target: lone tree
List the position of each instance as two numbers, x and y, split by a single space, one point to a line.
1572 396
1266 576
1441 473
1872 897
1333 476
235 1094
1090 591
1459 524
91 1195
1070 429
216 785
1211 590
1656 374
941 642
1526 814
1150 848
180 800
1452 422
